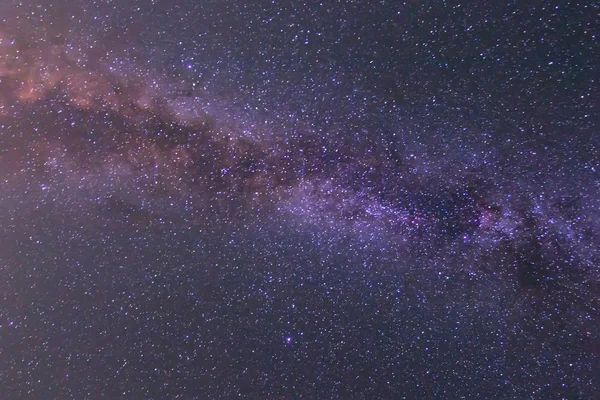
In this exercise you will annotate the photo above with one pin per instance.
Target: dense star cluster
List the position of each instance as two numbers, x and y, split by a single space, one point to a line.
284 200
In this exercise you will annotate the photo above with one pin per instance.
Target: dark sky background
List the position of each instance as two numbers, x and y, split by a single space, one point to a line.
299 200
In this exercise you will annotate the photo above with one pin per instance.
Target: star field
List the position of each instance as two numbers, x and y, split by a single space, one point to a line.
299 200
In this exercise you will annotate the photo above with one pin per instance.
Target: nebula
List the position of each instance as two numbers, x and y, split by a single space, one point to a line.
165 143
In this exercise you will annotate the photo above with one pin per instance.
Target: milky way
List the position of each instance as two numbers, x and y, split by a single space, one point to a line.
219 200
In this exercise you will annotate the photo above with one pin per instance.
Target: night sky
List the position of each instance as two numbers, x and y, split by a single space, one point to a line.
221 199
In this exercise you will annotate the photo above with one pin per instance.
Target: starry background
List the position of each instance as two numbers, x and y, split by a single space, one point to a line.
280 200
